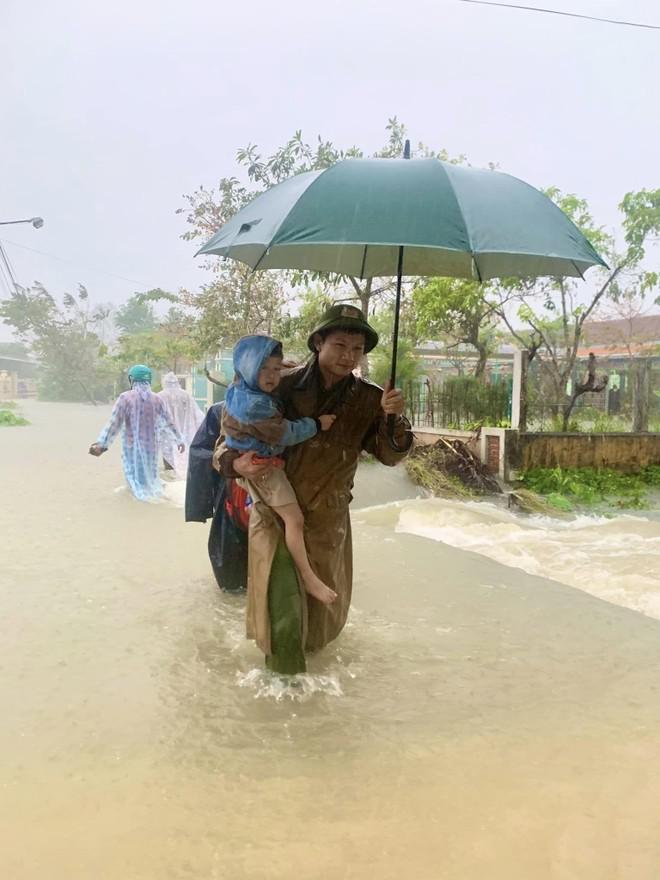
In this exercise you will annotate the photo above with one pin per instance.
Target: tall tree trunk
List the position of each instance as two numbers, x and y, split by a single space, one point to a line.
480 369
591 384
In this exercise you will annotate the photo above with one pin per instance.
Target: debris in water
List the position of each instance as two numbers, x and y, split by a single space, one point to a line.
449 469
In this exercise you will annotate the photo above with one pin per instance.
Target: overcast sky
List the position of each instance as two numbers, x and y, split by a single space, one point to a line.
110 112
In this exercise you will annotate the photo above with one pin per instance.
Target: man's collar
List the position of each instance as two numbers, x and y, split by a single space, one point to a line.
308 375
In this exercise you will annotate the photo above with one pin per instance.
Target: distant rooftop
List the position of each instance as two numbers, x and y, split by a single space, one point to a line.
639 329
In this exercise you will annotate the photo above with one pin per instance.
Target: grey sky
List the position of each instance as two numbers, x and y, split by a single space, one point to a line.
111 111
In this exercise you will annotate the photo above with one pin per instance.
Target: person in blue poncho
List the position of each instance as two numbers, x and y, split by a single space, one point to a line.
143 420
253 421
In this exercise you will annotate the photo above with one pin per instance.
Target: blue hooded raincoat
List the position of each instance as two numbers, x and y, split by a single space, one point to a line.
253 420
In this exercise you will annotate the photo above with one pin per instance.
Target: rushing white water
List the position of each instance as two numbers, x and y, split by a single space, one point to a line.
616 559
474 719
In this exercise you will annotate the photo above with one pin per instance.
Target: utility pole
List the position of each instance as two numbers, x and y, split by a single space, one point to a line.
6 271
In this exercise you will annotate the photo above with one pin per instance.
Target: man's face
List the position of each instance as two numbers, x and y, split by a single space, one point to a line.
269 374
339 353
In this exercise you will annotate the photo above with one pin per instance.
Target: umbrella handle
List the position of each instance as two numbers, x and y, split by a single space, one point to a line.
391 422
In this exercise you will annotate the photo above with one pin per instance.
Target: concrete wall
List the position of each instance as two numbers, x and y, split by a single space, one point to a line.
508 453
429 436
627 453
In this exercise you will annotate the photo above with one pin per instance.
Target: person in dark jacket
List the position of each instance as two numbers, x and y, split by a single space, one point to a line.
210 496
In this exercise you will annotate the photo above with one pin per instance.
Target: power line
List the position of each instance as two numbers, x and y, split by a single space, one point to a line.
637 24
65 260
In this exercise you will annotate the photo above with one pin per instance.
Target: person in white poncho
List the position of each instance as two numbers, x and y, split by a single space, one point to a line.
186 416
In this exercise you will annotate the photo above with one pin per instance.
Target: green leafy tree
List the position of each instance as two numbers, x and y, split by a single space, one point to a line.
460 313
64 339
172 343
293 328
555 310
236 303
135 316
408 368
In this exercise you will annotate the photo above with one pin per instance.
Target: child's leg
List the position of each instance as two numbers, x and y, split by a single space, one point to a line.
291 514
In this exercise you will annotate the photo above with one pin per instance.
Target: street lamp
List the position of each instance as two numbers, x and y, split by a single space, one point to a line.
37 222
6 271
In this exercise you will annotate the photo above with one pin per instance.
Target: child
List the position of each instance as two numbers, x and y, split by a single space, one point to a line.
252 421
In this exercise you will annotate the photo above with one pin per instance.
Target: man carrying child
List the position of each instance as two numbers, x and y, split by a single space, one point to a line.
285 621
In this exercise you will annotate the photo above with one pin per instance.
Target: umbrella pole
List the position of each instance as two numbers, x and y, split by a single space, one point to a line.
395 344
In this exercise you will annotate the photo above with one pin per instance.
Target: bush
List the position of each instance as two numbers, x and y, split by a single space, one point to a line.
9 419
588 486
461 402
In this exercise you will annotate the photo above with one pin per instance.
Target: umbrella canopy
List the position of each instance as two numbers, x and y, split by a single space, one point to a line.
376 217
355 217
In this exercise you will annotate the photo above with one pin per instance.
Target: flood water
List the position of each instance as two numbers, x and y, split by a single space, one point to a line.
474 720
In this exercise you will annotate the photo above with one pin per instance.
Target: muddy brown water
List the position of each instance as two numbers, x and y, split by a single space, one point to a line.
475 719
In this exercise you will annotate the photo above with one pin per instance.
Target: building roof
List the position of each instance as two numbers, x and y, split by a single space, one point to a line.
621 332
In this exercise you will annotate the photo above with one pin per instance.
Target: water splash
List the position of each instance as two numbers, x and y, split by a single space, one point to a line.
297 688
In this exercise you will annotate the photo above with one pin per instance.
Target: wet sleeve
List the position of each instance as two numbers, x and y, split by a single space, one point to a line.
224 458
377 442
113 426
297 431
274 430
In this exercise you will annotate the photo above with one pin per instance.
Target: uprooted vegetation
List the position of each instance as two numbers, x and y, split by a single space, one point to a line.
450 470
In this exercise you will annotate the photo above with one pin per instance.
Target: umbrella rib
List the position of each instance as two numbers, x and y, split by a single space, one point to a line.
258 263
465 226
577 269
364 260
285 218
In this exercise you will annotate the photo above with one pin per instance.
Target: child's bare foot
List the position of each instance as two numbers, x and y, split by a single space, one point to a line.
315 587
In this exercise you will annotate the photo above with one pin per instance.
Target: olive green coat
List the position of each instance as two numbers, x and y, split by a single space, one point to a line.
321 471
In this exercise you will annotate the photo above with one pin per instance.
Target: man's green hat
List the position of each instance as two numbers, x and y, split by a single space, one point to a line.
139 373
345 317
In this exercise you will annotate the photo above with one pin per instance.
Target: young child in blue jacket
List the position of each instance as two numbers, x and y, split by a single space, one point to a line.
253 421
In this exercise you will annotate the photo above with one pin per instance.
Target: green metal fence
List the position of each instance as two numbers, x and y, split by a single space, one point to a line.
460 402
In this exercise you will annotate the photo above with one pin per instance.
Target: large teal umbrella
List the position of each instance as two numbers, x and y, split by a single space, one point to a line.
376 217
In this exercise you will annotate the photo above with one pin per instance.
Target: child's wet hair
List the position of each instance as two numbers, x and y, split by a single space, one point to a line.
277 352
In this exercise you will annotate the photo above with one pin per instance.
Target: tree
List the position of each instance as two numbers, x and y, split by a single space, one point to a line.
408 367
236 303
63 339
555 309
135 316
171 343
627 311
294 329
459 311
